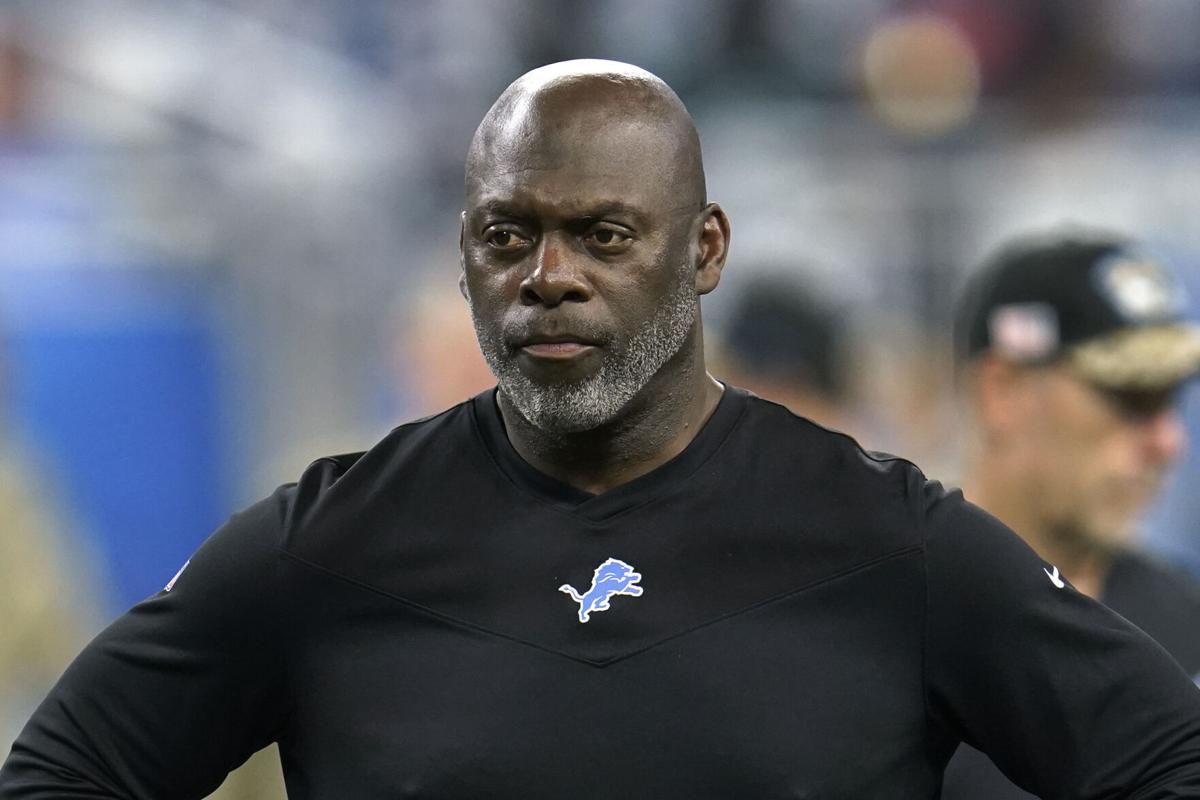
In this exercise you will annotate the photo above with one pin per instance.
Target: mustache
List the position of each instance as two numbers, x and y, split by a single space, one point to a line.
516 333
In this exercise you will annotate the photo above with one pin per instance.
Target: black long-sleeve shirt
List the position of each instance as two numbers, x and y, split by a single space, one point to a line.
1161 601
771 614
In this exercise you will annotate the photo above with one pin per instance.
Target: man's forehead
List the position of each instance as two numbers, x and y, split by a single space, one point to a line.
589 176
570 202
578 143
586 140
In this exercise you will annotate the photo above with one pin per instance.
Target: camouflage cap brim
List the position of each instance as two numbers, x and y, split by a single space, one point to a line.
1142 359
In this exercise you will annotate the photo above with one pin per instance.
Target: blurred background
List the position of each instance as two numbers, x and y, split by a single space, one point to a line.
228 232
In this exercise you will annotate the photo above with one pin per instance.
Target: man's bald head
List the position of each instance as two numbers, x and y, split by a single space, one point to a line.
630 116
586 243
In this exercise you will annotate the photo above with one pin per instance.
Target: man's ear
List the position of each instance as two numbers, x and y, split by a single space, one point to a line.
713 243
462 257
999 393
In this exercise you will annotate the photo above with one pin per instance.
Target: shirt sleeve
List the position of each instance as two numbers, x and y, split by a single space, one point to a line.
176 693
1068 698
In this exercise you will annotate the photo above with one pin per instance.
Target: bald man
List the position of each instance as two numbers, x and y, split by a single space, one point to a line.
611 575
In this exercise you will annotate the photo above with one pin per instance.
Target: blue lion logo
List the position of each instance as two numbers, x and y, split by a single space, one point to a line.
614 576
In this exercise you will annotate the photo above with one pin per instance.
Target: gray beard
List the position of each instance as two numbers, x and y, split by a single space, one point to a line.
598 399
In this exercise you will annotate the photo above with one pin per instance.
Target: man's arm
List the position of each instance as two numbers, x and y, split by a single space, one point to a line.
176 693
1068 698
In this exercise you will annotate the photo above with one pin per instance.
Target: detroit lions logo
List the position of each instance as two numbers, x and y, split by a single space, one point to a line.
614 576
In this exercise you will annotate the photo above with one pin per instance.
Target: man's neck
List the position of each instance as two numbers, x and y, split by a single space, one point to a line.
1085 565
658 425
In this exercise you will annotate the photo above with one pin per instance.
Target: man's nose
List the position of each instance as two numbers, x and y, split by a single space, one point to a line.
555 276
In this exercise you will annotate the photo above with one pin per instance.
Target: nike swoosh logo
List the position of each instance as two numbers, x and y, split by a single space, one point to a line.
1053 576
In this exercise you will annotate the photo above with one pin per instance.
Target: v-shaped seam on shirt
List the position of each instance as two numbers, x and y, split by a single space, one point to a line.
604 662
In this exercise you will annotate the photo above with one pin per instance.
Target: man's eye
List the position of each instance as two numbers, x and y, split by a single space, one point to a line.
1142 404
609 238
504 239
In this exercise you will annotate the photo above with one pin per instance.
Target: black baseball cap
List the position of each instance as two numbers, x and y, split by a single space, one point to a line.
1093 301
781 330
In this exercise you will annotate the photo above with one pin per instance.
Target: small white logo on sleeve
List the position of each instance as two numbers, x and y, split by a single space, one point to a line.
1053 576
171 583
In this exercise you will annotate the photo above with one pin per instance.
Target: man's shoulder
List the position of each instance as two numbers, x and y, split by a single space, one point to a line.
851 503
415 448
456 421
834 458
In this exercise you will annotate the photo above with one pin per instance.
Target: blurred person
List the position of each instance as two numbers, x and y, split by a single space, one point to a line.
45 584
788 345
1073 349
612 575
51 597
438 359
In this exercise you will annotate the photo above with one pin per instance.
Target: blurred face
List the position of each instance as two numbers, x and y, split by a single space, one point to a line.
577 269
1094 458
